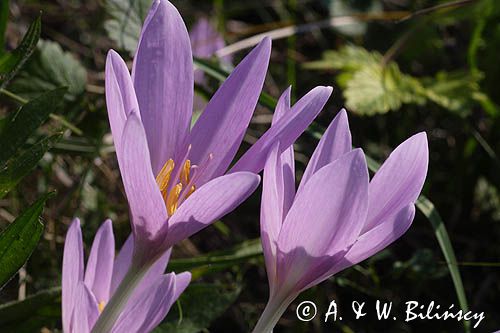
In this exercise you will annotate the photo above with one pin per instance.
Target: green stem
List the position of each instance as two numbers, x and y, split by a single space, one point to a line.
117 303
273 312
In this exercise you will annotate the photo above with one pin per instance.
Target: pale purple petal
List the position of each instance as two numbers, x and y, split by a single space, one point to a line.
221 127
163 81
85 312
209 203
72 272
146 203
399 180
122 263
335 142
325 218
205 40
283 109
100 264
271 211
120 96
286 130
145 311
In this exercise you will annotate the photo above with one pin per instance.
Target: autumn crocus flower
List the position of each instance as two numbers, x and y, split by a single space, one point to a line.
174 176
337 218
86 291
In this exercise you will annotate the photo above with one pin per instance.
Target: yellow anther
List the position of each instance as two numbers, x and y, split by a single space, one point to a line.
191 190
186 168
164 175
101 306
173 199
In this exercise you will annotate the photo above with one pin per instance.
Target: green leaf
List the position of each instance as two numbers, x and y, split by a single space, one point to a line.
19 239
200 305
124 26
11 62
24 123
19 166
50 68
218 259
32 313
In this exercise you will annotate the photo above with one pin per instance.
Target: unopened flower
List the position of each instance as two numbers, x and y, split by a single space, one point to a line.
86 291
337 218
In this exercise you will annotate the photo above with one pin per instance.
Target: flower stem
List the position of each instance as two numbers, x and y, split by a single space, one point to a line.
117 303
275 308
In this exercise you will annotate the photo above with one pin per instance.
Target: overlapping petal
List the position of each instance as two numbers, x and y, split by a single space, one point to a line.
399 180
144 311
286 130
85 312
221 127
163 81
326 216
209 203
72 273
335 142
100 263
146 203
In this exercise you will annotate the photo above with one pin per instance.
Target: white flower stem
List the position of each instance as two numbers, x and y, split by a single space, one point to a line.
117 303
275 308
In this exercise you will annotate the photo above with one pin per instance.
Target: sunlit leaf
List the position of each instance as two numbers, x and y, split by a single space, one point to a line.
11 62
19 239
24 123
19 166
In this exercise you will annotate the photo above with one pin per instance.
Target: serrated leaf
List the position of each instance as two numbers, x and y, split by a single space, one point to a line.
24 123
124 26
19 166
11 62
32 313
201 304
19 239
50 68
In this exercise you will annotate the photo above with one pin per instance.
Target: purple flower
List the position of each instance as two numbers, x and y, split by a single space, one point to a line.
174 176
86 291
338 217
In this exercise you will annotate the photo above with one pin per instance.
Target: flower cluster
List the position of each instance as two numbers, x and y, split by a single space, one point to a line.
178 181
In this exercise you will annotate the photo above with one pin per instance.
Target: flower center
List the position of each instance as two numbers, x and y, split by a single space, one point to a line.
174 194
101 306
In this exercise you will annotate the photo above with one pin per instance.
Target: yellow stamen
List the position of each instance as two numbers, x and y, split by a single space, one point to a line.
191 190
101 306
173 198
186 168
164 176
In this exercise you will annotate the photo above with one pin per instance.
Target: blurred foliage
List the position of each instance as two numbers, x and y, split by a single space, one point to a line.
435 68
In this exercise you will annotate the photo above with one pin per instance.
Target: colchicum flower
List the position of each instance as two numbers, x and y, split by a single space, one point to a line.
337 218
175 177
85 292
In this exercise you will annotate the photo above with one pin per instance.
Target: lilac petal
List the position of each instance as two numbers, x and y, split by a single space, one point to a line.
146 203
122 263
72 272
100 264
85 312
271 211
326 216
163 81
286 131
335 142
283 110
399 180
209 203
221 127
205 40
120 96
145 311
